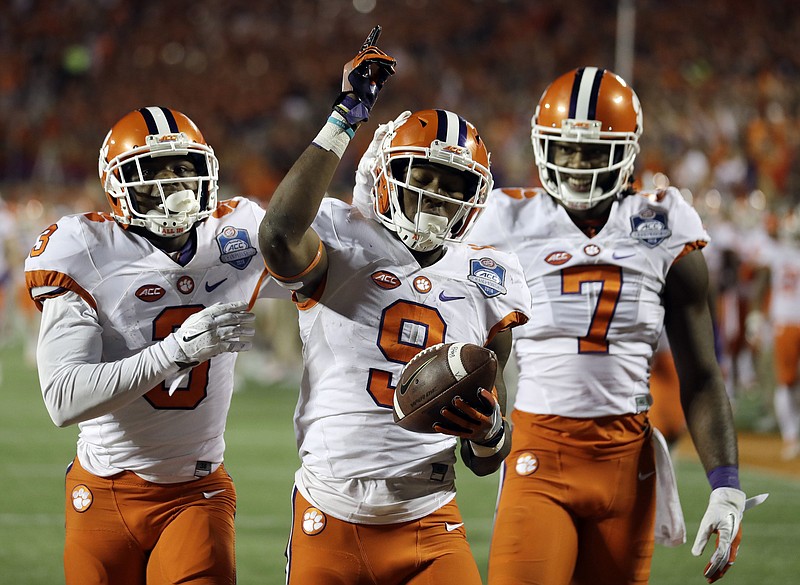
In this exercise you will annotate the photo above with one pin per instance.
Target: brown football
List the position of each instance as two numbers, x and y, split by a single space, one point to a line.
435 376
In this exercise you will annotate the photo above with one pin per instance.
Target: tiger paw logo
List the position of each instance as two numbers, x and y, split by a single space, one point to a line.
313 521
527 463
81 498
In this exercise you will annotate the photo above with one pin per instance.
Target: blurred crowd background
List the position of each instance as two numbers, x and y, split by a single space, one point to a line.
718 81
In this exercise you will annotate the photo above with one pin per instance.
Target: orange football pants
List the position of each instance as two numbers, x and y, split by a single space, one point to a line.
577 503
123 530
787 354
431 551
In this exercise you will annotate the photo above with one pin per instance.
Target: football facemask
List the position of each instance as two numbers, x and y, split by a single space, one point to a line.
588 108
143 136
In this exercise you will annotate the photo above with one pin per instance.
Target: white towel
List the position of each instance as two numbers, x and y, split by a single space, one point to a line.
670 528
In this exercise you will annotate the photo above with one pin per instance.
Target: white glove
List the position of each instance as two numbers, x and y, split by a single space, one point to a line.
216 329
723 516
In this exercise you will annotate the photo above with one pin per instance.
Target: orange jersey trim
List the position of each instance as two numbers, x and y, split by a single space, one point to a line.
299 276
254 296
224 208
520 192
315 297
511 320
98 216
690 247
50 278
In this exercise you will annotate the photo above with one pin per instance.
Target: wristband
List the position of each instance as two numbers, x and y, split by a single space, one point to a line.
492 447
724 476
335 135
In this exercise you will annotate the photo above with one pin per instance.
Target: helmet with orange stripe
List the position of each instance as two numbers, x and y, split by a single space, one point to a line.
431 179
141 193
585 134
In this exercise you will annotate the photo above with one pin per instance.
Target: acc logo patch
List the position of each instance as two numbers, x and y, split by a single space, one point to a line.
558 258
385 280
650 227
488 275
527 463
150 293
235 247
81 498
314 521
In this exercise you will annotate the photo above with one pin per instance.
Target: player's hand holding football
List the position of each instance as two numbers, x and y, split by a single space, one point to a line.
362 80
479 425
216 329
726 507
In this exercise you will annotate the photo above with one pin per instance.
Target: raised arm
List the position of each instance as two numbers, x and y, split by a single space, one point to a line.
292 250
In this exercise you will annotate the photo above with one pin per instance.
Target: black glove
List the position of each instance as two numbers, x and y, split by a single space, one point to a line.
362 79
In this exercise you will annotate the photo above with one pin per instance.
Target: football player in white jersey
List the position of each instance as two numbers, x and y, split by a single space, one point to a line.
607 269
374 502
143 311
777 293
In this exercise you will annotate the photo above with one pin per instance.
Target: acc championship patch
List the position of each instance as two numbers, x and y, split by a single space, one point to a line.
650 227
235 247
488 275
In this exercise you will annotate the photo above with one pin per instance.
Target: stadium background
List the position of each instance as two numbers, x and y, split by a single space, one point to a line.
719 85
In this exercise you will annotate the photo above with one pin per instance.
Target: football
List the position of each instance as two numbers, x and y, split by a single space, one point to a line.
435 376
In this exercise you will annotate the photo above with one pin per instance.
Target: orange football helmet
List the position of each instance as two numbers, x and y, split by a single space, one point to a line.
587 106
155 132
434 137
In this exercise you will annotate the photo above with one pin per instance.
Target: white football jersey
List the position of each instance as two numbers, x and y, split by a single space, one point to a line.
597 311
140 295
783 260
377 310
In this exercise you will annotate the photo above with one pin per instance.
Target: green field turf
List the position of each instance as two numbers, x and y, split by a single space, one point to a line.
261 457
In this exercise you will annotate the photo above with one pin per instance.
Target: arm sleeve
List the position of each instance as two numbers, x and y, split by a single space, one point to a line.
76 384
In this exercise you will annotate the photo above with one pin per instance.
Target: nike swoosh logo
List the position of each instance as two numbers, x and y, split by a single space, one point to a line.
617 256
209 495
195 336
404 387
211 287
444 298
450 527
644 476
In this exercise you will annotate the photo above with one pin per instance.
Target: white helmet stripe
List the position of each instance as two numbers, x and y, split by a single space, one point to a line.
585 100
453 128
159 120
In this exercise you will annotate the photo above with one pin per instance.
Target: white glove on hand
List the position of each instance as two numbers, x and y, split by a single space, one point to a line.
216 329
723 516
